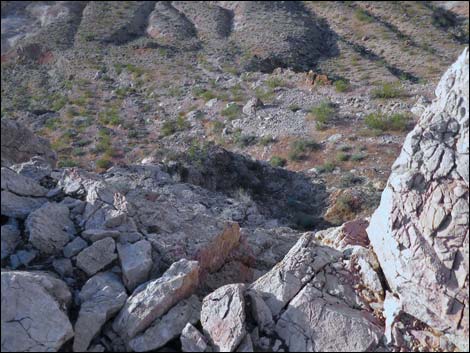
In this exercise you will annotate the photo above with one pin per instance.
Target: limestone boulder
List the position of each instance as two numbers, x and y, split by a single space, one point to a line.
34 317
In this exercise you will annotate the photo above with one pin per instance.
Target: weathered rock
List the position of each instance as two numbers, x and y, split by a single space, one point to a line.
136 262
246 345
223 317
317 322
22 258
63 266
152 299
101 298
98 234
420 230
261 312
169 326
10 237
74 247
97 256
21 185
252 105
19 144
50 228
33 312
17 206
192 340
37 168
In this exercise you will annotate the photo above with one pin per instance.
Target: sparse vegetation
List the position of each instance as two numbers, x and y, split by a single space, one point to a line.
388 90
299 148
277 161
383 122
322 114
232 111
341 85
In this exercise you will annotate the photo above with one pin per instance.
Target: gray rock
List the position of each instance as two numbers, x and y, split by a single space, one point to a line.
22 258
63 266
169 326
136 262
252 105
10 237
33 315
50 228
98 234
37 168
20 185
74 247
223 317
19 144
17 206
102 296
97 256
152 299
420 230
192 340
246 345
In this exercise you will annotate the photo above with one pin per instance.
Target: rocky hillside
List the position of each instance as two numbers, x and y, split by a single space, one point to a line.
326 88
223 176
204 253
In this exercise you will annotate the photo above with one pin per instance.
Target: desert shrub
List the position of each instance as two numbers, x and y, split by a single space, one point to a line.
382 122
277 161
341 85
363 16
299 148
104 163
356 157
326 167
322 113
217 126
342 157
349 179
274 82
294 108
244 140
264 94
232 111
266 140
67 163
388 90
59 103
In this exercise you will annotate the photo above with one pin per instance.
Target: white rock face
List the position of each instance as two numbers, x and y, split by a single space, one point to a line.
223 317
420 230
152 299
34 315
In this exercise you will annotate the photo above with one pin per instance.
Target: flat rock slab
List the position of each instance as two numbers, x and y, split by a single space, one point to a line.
153 299
169 326
50 228
192 340
223 317
102 296
97 256
136 262
21 185
16 206
33 312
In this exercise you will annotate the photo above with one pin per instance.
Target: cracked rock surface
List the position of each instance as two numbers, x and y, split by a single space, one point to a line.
420 230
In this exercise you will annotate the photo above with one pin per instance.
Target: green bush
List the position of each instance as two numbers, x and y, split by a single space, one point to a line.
232 111
382 122
341 85
277 161
266 140
342 157
349 179
274 82
363 16
104 163
388 90
322 113
326 167
299 148
67 163
358 157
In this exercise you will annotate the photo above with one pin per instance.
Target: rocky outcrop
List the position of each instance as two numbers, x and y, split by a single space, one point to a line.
136 262
101 298
420 230
151 300
97 256
34 317
19 144
192 340
50 228
223 317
